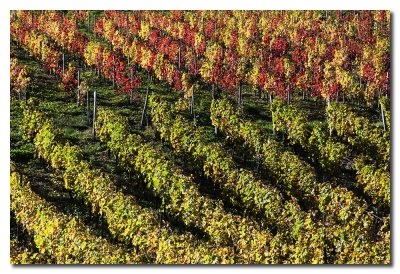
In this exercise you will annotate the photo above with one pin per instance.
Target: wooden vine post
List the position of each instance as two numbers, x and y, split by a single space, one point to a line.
88 107
144 107
131 91
179 55
63 64
192 107
383 119
381 111
94 114
273 124
113 80
192 101
381 105
214 97
127 24
79 88
240 95
88 22
94 23
328 101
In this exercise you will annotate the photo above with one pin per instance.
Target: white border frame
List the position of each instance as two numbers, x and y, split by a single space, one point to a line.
391 5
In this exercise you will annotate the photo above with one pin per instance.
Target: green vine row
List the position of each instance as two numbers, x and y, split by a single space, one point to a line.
28 255
359 132
374 180
345 217
60 236
303 244
373 172
295 176
180 192
322 148
127 220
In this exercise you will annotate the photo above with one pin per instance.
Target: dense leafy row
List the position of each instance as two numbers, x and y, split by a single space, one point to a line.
40 47
141 53
385 105
358 131
373 171
54 27
60 236
36 44
343 213
29 255
297 234
327 152
180 192
35 120
374 180
322 148
127 220
279 52
296 177
19 79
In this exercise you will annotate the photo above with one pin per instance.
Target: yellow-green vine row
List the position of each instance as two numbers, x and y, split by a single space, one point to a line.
126 219
297 235
60 236
345 217
180 192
